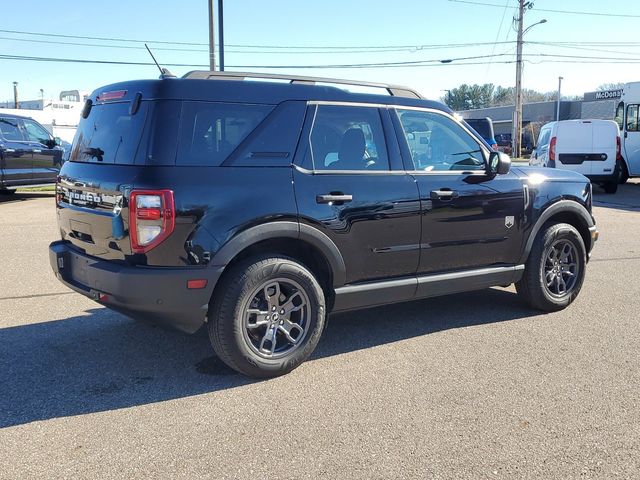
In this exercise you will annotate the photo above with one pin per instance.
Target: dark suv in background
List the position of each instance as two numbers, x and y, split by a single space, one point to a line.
257 207
29 155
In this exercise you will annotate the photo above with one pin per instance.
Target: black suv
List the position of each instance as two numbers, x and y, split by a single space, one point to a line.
29 155
258 207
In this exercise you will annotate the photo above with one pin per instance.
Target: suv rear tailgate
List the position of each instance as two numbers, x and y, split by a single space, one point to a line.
90 199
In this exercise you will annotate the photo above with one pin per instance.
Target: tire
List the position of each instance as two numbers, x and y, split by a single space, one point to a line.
243 321
624 173
544 263
610 187
7 191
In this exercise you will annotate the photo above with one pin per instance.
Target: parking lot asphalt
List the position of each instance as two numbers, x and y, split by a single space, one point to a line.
474 385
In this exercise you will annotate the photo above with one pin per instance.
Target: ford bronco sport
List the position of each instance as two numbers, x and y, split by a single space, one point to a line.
258 207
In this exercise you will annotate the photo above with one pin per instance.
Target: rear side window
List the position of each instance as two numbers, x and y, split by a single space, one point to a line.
10 130
110 134
632 118
210 132
348 138
619 118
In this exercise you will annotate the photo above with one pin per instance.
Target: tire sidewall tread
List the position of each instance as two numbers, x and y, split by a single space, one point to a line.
225 324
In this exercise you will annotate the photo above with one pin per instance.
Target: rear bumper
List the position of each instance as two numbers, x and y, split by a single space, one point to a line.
158 294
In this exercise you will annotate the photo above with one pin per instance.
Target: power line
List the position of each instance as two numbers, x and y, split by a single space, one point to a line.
413 49
546 58
284 47
568 12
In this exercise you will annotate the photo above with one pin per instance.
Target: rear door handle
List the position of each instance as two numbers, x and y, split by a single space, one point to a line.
337 198
443 194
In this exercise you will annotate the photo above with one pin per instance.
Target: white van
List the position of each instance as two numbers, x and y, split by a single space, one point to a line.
590 147
627 120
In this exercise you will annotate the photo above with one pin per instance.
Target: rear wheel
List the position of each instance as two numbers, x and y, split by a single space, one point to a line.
555 269
267 316
623 174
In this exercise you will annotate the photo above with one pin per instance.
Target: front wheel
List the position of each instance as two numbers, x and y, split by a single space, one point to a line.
555 269
267 316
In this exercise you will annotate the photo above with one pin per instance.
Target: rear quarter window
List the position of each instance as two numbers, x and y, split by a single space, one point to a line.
210 132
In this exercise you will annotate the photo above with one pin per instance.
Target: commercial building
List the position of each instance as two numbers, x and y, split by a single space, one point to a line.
600 104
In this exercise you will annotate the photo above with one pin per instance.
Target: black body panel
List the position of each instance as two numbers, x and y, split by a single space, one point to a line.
384 235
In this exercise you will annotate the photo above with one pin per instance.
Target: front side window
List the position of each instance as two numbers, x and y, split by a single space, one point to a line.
348 138
632 118
10 129
36 133
437 142
619 118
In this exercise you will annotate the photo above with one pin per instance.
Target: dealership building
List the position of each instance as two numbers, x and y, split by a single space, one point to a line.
600 104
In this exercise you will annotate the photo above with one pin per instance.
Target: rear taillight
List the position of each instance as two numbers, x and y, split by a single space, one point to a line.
618 149
552 153
151 218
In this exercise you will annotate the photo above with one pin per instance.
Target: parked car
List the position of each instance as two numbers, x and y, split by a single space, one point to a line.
504 143
589 147
627 114
256 208
484 128
29 155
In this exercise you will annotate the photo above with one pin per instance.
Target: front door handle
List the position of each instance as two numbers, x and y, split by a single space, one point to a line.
334 198
444 194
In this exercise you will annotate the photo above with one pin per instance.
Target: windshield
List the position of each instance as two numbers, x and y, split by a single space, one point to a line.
110 134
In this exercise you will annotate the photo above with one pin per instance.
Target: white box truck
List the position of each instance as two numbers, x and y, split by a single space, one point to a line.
590 147
627 119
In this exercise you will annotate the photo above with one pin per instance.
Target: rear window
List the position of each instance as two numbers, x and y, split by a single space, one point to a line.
110 134
483 126
209 132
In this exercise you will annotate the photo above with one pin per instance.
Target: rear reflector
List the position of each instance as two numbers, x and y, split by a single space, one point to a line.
196 284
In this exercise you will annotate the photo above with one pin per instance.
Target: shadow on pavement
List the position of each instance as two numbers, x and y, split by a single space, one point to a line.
102 361
22 196
626 198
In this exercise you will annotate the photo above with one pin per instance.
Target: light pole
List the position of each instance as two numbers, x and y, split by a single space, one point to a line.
517 136
212 37
559 89
15 94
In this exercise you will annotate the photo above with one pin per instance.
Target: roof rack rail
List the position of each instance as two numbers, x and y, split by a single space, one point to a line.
393 90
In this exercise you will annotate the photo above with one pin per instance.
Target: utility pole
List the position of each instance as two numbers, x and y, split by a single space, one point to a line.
212 37
221 33
559 89
15 94
517 134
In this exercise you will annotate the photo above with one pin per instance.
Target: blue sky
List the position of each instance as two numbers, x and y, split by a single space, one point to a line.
253 26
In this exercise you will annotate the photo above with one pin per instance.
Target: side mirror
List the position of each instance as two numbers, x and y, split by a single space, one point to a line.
58 140
499 163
